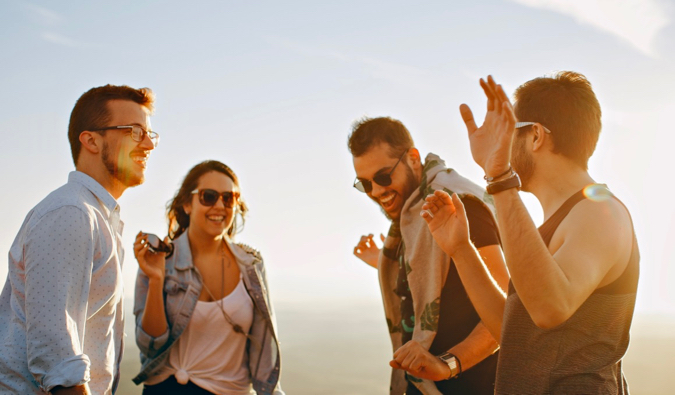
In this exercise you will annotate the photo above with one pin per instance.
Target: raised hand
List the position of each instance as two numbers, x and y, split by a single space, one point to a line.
446 220
367 251
491 142
152 264
419 362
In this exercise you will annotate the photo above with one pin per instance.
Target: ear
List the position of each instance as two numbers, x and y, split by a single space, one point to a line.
414 158
91 141
539 137
187 207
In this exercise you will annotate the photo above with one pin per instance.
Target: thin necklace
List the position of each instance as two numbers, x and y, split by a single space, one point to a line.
237 328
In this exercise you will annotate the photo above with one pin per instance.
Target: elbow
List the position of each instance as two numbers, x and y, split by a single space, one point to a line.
550 316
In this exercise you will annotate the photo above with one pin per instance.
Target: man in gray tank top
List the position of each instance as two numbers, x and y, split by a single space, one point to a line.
564 324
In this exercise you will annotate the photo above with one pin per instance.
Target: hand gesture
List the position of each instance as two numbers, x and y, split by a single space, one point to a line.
152 264
447 221
419 362
491 143
367 251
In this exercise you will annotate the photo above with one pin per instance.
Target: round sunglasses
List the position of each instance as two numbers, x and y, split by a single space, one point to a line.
383 180
209 197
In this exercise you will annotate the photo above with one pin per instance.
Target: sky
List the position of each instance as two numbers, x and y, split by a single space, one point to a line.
272 89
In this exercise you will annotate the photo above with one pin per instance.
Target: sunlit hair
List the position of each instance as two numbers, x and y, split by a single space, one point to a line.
566 105
91 110
370 132
179 220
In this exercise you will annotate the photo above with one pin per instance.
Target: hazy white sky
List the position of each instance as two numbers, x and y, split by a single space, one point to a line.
271 89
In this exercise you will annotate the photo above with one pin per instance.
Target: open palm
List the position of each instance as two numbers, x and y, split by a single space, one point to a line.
446 220
491 142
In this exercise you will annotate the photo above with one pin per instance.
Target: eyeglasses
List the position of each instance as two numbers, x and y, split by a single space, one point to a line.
209 197
383 180
137 133
523 124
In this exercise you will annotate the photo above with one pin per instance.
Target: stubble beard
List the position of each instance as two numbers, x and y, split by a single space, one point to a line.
522 162
124 176
408 188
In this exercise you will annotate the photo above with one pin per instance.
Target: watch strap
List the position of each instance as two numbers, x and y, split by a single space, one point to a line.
508 183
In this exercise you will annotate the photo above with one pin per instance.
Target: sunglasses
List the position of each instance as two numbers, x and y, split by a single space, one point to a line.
209 197
383 180
156 245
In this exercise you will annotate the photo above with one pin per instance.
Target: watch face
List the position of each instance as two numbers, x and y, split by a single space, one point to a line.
452 362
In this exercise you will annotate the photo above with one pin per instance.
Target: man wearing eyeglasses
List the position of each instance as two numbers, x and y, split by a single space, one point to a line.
61 313
429 315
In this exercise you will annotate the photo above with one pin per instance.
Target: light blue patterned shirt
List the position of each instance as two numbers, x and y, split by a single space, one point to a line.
61 313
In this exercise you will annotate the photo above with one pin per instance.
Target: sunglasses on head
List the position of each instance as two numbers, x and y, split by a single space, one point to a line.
383 180
209 197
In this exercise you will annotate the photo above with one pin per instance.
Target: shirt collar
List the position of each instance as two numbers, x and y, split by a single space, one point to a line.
97 189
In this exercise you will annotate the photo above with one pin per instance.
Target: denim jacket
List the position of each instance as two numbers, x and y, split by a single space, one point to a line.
182 287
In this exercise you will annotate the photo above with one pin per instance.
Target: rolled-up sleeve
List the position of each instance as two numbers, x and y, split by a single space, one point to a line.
150 346
58 258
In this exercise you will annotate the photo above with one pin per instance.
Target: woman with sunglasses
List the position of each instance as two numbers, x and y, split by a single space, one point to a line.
204 321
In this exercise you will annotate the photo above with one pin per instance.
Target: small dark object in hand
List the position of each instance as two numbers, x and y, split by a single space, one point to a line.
155 244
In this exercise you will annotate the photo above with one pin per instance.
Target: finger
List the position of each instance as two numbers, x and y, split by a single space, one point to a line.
395 364
426 214
508 113
382 237
407 361
489 93
443 197
467 117
459 206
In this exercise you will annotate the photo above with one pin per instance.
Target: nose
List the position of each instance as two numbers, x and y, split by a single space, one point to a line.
377 190
147 143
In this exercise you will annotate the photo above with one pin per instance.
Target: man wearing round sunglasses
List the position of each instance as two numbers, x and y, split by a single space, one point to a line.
425 303
61 311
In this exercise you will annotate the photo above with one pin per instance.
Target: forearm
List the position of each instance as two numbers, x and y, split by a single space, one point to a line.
487 297
537 277
154 318
476 347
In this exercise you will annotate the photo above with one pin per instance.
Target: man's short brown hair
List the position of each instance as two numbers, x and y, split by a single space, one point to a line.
566 105
370 132
91 110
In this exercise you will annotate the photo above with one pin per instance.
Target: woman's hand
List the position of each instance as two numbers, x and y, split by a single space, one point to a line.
152 264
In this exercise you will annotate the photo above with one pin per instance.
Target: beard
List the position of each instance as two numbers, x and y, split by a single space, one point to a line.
408 188
522 161
124 175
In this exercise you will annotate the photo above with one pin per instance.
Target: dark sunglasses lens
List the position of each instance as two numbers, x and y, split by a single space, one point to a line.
228 199
363 186
208 197
152 240
383 180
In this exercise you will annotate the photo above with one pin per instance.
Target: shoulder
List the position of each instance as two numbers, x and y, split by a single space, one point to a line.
250 251
602 225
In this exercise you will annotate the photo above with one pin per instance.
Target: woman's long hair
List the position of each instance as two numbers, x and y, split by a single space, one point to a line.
179 220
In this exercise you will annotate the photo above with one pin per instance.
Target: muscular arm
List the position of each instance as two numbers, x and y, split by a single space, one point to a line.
590 249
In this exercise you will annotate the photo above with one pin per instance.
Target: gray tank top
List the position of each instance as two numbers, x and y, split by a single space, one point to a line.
582 355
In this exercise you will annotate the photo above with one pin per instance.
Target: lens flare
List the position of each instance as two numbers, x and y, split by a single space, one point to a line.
597 192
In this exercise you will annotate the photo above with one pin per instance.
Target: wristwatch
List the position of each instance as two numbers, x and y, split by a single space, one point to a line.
453 363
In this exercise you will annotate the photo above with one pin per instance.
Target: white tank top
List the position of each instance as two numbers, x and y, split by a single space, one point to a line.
210 353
